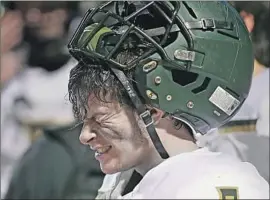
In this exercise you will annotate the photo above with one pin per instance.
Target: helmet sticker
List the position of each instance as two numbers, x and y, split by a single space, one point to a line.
224 100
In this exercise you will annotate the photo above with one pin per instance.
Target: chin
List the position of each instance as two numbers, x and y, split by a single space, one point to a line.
116 165
108 169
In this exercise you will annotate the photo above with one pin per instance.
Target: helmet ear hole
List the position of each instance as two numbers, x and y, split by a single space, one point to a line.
183 78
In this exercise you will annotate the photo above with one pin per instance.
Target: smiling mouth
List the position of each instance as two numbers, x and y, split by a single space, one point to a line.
102 150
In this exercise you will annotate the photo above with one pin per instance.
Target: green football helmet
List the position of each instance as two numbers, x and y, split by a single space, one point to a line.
194 59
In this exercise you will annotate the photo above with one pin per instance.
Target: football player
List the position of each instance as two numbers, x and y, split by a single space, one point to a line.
153 78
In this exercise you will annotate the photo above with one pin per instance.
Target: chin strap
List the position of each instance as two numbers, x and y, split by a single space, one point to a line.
143 113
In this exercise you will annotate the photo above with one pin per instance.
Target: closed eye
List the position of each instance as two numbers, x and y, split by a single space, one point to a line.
106 124
110 131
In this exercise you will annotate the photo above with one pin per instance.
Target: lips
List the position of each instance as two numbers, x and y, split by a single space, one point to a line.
101 150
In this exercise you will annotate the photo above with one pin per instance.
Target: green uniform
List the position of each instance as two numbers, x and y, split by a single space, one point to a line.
56 166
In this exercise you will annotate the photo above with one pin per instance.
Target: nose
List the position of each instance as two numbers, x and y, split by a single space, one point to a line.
87 136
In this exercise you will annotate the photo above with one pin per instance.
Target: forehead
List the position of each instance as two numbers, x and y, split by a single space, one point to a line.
95 106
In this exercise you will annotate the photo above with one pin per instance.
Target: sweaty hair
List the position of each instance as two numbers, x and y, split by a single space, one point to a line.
98 80
261 31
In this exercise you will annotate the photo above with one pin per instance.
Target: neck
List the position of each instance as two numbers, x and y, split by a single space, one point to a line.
152 159
258 68
176 145
172 142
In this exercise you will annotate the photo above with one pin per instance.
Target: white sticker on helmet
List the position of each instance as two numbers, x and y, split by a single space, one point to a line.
224 100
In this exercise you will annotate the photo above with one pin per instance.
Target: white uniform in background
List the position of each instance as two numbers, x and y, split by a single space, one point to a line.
34 97
200 174
262 126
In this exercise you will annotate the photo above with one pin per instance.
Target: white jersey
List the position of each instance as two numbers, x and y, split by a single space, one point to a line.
201 174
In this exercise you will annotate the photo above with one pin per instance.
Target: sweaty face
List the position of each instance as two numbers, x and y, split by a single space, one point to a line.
112 131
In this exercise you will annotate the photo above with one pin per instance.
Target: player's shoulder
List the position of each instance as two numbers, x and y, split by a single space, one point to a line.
236 178
222 175
203 174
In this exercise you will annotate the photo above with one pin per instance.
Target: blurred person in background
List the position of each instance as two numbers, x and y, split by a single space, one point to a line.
246 136
57 166
14 138
35 100
11 39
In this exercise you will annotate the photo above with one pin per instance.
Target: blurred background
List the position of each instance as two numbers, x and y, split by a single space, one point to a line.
41 156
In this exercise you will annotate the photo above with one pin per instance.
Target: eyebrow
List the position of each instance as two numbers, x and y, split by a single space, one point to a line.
95 114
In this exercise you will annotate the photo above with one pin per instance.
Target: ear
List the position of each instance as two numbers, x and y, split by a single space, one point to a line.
156 115
248 19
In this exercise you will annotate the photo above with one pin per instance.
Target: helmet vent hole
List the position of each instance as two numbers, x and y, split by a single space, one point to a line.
183 78
202 87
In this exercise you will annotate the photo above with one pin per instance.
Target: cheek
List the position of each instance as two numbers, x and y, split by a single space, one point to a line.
130 147
124 155
133 150
134 139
